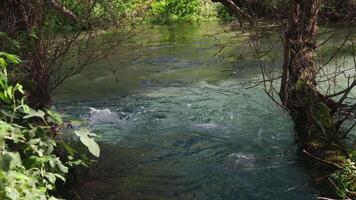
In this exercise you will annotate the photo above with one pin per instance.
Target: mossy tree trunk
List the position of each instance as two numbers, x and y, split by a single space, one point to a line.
315 127
298 91
317 118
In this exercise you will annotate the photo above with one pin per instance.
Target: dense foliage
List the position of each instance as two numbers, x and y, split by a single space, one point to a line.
330 10
30 165
58 38
168 11
101 14
345 180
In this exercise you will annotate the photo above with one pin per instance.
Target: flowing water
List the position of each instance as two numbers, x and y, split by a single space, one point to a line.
177 120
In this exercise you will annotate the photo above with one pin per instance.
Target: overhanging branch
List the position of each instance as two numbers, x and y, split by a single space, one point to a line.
62 9
236 9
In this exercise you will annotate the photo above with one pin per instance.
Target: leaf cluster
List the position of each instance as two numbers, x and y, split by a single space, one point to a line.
29 165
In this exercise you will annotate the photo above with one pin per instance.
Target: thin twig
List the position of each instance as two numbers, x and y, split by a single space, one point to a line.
321 160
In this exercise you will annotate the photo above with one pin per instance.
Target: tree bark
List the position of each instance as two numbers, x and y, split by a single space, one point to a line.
314 114
298 91
315 125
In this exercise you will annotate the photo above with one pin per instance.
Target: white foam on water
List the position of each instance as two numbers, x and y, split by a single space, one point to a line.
102 116
242 160
205 126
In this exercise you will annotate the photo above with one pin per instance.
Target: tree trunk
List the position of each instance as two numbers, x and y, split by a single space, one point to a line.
314 115
315 127
299 94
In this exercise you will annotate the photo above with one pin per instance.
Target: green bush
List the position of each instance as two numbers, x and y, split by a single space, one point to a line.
345 180
101 14
169 11
29 165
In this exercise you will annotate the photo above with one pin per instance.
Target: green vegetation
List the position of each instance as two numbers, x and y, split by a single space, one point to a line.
170 11
30 163
345 180
61 37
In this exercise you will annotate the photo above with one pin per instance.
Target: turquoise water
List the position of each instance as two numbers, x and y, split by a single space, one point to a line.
184 122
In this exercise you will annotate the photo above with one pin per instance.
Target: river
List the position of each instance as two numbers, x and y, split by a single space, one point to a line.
184 121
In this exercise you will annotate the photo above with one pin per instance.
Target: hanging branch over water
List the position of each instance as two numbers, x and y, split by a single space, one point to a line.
51 55
62 9
236 9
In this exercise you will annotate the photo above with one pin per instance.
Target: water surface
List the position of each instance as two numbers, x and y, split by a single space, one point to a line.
183 124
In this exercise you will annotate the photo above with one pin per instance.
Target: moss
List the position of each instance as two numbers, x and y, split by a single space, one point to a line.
330 162
304 91
315 144
321 113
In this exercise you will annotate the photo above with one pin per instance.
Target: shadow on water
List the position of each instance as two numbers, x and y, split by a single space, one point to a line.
182 124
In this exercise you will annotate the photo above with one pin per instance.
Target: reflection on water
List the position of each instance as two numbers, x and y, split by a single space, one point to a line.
176 122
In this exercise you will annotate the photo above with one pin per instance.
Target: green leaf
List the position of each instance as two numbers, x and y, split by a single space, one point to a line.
3 62
19 88
12 58
55 117
69 149
10 160
16 136
8 114
83 135
5 128
60 177
26 108
51 177
61 167
34 113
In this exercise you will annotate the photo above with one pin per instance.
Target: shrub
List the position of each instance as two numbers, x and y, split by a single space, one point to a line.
29 166
168 11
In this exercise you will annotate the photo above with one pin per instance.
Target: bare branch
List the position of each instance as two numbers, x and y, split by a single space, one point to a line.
62 10
236 9
348 89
